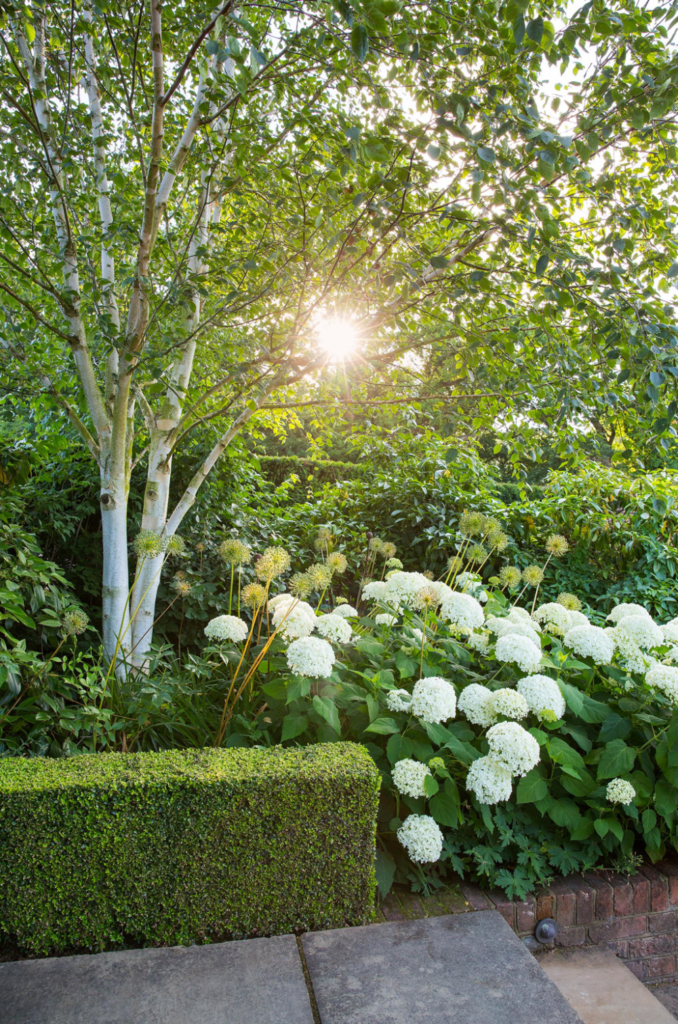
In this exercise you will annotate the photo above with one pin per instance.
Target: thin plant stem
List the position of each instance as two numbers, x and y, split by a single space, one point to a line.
181 626
230 594
539 584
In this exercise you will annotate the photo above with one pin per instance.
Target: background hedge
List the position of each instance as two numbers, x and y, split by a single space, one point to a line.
105 850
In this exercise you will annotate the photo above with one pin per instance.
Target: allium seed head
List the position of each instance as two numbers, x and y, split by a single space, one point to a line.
557 545
74 622
533 575
570 601
273 563
253 595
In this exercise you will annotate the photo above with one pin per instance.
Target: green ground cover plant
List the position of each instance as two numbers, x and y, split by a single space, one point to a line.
184 846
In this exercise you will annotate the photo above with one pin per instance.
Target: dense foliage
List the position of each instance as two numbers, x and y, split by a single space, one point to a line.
184 846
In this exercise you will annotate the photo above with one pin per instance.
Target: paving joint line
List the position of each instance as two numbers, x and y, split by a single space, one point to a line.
309 983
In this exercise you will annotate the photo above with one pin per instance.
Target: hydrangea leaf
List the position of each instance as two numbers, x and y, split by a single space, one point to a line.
617 760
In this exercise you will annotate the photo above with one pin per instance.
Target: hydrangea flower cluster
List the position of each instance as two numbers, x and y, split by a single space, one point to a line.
477 703
462 610
510 704
347 611
518 627
489 781
334 627
434 700
402 588
422 838
542 695
384 619
398 700
226 627
520 651
621 611
590 642
664 678
640 629
553 615
310 656
408 777
619 791
513 747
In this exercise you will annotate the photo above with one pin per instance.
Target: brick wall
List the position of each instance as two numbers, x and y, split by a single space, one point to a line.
635 916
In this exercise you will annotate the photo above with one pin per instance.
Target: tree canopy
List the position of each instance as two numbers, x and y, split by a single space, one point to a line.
484 191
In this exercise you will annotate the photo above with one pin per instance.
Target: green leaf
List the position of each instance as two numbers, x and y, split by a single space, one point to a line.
293 726
665 797
562 753
406 666
519 29
360 42
370 647
601 826
431 786
487 154
383 726
277 689
565 813
445 806
531 788
327 709
535 30
385 871
617 759
398 748
542 264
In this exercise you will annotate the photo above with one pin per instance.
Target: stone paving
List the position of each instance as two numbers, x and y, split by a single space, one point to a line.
451 969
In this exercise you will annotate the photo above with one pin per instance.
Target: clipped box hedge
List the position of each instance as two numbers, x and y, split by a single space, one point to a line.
105 850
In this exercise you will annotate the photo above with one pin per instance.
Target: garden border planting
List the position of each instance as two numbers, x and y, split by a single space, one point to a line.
102 851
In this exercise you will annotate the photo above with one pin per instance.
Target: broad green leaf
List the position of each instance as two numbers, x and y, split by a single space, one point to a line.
398 748
532 787
385 871
360 42
327 709
617 760
445 806
535 30
293 726
383 726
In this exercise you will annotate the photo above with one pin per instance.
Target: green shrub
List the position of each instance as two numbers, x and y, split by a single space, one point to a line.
105 850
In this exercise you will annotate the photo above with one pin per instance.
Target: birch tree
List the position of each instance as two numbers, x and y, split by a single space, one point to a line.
188 190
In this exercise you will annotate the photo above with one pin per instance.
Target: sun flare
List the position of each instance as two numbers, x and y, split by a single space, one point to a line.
338 337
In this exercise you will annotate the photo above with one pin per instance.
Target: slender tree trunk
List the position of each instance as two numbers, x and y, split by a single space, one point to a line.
115 583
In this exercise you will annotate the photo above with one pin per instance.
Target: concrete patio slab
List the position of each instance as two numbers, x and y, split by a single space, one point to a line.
667 996
257 981
601 988
461 969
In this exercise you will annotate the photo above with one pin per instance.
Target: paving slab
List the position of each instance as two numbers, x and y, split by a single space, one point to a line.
461 969
667 996
602 989
257 981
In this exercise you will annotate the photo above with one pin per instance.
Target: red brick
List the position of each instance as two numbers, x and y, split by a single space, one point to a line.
525 921
641 894
411 905
475 897
604 897
651 945
638 968
659 888
574 936
505 906
671 872
660 967
585 899
620 948
619 928
453 902
433 907
565 903
546 905
391 909
662 923
623 896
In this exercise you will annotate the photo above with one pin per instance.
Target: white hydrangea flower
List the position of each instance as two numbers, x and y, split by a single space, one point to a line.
402 588
636 660
398 700
434 700
374 591
641 629
310 656
417 635
227 627
279 599
479 641
333 627
477 703
542 694
422 838
489 781
519 650
671 655
384 619
441 589
619 791
294 621
502 627
513 747
509 703
522 614
670 631
408 777
590 642
462 610
554 615
578 619
621 611
347 611
664 678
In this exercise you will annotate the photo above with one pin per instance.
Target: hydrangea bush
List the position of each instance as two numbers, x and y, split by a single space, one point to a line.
516 739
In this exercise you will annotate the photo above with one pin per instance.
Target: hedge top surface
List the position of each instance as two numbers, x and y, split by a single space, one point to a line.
334 761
